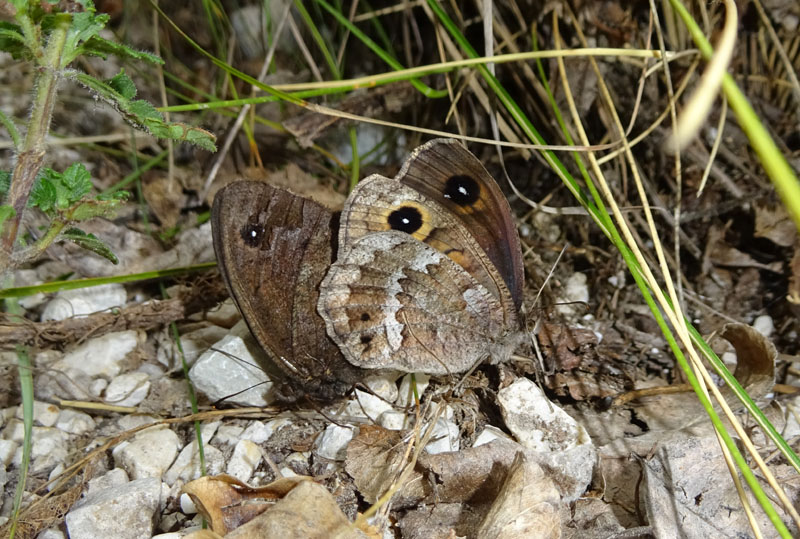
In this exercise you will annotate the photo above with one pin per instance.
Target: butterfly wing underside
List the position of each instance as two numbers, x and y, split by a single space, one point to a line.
273 249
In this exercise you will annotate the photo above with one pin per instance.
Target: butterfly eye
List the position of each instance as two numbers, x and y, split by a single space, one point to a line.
406 219
461 189
252 234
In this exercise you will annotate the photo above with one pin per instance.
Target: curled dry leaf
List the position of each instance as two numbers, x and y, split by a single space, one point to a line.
755 359
774 223
227 503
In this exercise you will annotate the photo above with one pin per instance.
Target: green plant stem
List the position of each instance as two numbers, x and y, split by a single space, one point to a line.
26 389
31 156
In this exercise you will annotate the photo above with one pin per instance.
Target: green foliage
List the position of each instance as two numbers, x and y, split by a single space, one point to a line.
119 92
51 35
91 243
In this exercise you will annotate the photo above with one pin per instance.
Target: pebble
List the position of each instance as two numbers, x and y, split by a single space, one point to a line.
394 420
764 325
536 422
490 433
124 512
228 434
366 405
84 301
74 422
245 459
101 356
44 413
48 449
194 344
127 389
259 432
244 383
383 385
148 454
187 466
187 505
405 396
445 437
51 533
332 445
7 450
112 478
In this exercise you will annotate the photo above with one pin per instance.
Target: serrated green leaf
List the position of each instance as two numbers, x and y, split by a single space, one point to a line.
78 181
144 110
123 85
43 195
84 26
91 243
99 46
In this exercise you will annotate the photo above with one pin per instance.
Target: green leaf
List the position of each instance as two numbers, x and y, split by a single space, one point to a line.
91 208
12 41
5 183
99 46
43 195
90 242
77 180
6 213
84 26
123 85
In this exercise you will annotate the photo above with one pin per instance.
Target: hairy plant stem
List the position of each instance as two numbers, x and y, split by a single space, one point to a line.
31 156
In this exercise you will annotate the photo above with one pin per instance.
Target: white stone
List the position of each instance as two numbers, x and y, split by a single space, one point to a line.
124 512
366 405
132 421
332 444
490 433
7 450
128 389
536 422
148 454
14 430
97 386
405 396
445 437
224 315
259 432
84 301
194 344
228 434
112 478
764 325
244 382
44 413
575 291
101 356
169 535
48 449
187 505
384 385
245 459
51 533
54 473
394 420
75 422
187 466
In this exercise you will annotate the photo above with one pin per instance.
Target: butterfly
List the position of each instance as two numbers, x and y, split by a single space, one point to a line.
420 273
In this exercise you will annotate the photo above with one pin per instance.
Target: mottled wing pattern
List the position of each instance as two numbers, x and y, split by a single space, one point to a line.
273 249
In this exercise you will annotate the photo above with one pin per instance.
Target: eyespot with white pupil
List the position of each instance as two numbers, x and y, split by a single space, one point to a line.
252 234
462 189
406 219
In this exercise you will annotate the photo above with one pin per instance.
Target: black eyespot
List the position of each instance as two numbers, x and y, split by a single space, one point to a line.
364 317
463 190
252 234
406 219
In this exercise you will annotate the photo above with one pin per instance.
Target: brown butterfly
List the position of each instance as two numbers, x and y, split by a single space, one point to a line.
427 275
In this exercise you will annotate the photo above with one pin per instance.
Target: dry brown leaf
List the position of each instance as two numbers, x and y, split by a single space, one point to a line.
527 505
308 511
773 223
374 460
722 254
755 359
164 197
228 503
